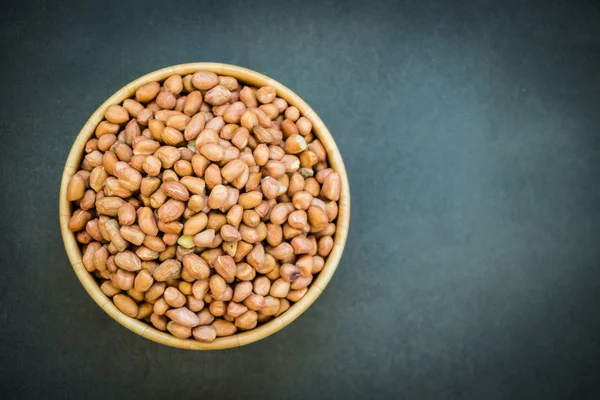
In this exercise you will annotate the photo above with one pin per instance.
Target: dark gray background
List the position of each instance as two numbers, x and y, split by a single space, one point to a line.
470 134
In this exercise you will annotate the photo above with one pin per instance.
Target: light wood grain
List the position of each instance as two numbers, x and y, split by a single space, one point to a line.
343 221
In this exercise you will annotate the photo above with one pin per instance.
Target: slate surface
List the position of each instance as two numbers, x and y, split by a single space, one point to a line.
470 134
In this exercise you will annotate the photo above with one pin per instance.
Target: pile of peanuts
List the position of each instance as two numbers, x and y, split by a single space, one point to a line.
204 207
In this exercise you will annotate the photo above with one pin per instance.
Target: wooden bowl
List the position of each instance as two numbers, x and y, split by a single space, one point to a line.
141 328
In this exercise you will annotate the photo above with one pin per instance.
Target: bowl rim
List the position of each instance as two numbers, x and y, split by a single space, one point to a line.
145 330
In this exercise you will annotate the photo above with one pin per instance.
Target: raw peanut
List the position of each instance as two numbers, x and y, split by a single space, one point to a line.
166 100
235 215
304 126
316 147
147 222
193 184
169 175
247 321
195 267
183 316
245 272
168 155
126 214
240 138
169 269
296 295
271 306
242 291
106 128
178 330
290 233
194 304
143 281
274 168
217 95
186 242
289 272
251 218
225 266
255 302
302 200
295 144
332 186
232 169
93 229
145 146
195 224
168 253
263 119
126 305
292 113
270 109
79 219
301 282
217 196
317 217
274 234
217 308
76 187
108 289
204 80
280 213
306 172
262 285
229 247
234 310
249 120
174 84
149 186
182 167
171 210
241 180
151 166
223 328
248 97
174 297
249 235
100 257
288 127
132 233
204 238
267 135
156 290
302 245
284 305
171 136
233 113
253 181
204 333
281 104
123 279
116 114
164 115
266 94
250 199
123 152
83 237
156 128
280 288
200 288
172 227
135 295
178 122
147 92
230 234
325 245
261 154
297 219
212 176
144 311
305 265
217 285
160 322
291 164
128 260
322 174
205 316
312 186
192 104
269 187
263 209
229 82
132 107
175 190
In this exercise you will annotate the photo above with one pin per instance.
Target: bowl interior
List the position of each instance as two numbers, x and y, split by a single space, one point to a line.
335 160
